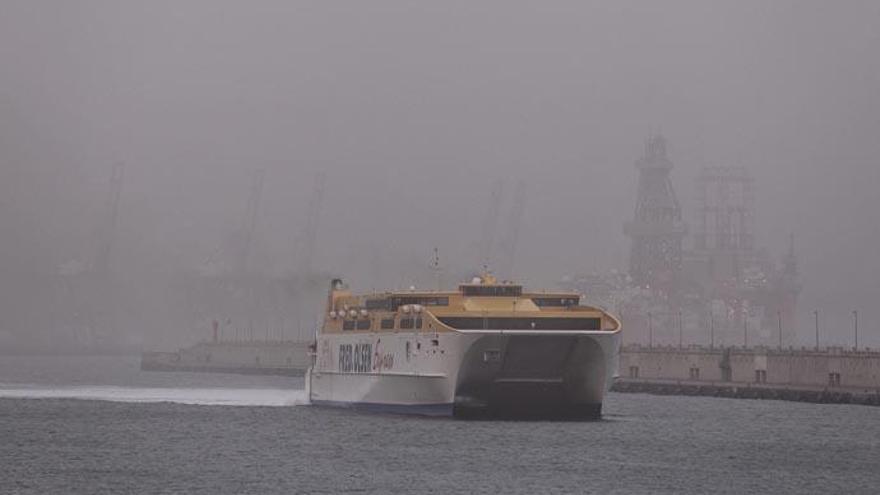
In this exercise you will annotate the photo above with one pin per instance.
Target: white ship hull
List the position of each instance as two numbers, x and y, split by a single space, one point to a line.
467 373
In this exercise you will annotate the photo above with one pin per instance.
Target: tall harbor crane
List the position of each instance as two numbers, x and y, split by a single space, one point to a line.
490 221
107 228
250 221
508 244
310 234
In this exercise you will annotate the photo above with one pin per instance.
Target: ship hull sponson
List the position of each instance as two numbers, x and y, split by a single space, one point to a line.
535 377
477 374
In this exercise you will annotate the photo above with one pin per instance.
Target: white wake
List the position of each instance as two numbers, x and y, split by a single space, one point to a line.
195 396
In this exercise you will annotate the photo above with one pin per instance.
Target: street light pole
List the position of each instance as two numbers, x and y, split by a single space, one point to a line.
712 330
816 318
650 331
856 327
679 329
779 319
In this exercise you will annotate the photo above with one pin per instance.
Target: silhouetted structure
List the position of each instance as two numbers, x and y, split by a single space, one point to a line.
657 228
107 229
507 245
722 290
725 222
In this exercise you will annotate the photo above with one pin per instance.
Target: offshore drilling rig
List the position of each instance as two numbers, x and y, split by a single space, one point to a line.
711 287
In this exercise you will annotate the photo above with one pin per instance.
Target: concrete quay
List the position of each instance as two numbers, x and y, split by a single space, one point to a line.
832 375
742 390
286 358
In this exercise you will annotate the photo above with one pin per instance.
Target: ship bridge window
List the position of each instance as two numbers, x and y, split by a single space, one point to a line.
363 324
491 290
348 325
512 323
387 323
396 302
382 304
406 323
555 302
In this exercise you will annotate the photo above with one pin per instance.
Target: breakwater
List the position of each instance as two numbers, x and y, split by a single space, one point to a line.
832 375
244 357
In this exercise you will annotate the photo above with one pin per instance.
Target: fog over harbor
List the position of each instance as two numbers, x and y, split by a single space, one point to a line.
413 113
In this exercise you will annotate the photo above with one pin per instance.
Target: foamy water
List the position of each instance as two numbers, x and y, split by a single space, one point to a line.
195 396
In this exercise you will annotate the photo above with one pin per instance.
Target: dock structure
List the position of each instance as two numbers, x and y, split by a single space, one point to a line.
253 357
743 390
832 375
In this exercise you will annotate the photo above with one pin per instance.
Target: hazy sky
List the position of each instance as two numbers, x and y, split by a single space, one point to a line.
415 109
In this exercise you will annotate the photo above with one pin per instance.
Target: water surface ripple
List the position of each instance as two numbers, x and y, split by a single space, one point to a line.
151 443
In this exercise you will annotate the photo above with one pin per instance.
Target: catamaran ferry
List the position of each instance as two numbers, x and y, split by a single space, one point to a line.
486 350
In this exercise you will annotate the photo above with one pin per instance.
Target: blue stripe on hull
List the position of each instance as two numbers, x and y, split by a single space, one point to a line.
417 409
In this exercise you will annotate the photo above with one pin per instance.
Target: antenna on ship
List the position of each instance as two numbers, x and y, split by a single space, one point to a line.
435 265
487 242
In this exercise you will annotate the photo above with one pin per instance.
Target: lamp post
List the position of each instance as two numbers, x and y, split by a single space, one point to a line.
650 331
856 327
679 330
779 319
745 330
816 318
711 330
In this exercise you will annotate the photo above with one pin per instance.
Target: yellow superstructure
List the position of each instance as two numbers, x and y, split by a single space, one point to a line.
484 304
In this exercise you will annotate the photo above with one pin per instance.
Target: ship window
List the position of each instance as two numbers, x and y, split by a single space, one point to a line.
363 324
511 323
387 323
348 325
492 356
492 290
395 302
406 323
555 301
418 323
374 304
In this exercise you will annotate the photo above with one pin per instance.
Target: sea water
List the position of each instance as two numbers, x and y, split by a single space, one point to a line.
100 425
